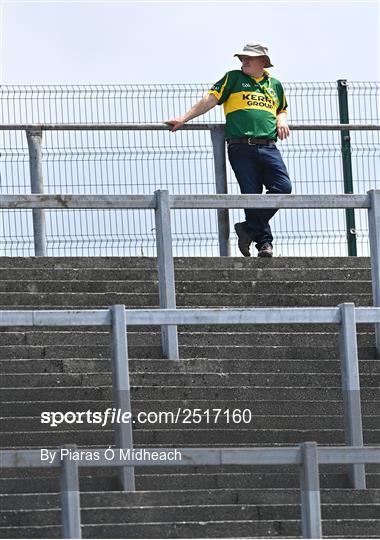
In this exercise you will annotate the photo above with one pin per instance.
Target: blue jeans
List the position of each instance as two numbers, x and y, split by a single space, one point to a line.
255 167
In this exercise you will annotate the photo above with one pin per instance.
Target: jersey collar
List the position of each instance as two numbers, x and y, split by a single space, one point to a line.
262 78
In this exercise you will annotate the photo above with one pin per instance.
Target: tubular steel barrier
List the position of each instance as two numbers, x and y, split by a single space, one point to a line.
346 315
35 131
308 456
162 202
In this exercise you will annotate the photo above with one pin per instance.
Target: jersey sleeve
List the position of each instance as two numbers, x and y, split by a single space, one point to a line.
221 89
283 104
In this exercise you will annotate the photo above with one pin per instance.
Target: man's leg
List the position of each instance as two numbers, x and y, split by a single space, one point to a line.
245 163
276 180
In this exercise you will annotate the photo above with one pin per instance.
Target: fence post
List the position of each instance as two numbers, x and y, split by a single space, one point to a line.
165 266
310 494
347 165
70 502
374 242
121 390
34 138
219 149
349 366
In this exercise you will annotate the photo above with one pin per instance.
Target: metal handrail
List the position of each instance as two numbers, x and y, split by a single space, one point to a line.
346 315
61 202
308 456
162 203
114 126
34 133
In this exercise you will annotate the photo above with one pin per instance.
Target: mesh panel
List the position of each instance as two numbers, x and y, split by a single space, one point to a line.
133 162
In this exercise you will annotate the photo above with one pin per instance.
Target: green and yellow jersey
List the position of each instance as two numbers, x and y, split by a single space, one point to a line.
250 105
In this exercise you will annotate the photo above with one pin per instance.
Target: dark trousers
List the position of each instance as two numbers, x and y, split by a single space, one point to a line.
255 167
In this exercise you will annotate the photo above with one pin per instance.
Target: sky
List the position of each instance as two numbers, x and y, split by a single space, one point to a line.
123 42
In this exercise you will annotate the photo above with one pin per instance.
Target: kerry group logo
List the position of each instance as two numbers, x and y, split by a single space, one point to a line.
257 100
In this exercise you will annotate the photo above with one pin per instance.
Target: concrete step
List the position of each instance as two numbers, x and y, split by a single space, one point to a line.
242 352
184 481
201 328
196 365
222 380
214 393
170 514
304 339
185 262
256 529
102 472
69 300
199 287
39 501
372 470
202 438
207 436
268 406
209 419
239 529
284 274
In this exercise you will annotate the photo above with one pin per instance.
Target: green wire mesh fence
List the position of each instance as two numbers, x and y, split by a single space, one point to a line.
133 162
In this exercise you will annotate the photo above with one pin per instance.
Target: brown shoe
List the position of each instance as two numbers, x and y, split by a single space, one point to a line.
265 250
244 239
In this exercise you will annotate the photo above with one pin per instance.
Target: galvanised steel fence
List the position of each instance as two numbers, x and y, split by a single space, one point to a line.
135 162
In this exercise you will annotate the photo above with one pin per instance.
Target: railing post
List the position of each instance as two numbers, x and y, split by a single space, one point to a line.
219 149
310 494
165 266
349 366
347 165
121 390
70 501
34 138
374 241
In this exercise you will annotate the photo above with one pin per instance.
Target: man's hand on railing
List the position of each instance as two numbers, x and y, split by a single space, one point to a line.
175 123
201 107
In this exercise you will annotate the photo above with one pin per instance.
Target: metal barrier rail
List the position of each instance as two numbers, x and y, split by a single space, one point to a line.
162 203
217 132
114 126
346 315
308 456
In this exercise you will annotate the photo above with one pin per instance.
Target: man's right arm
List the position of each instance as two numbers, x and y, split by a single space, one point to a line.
207 103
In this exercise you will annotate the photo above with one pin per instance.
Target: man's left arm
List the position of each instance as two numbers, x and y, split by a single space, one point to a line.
282 113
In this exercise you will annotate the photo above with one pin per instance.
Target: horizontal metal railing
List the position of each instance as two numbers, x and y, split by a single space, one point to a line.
34 133
184 201
162 202
119 318
114 126
308 456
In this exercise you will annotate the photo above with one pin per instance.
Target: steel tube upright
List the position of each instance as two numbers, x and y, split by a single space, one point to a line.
165 265
310 494
34 138
70 502
349 367
347 165
121 390
219 148
374 241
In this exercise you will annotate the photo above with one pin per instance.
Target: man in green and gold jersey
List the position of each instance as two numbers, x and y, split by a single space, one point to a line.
255 107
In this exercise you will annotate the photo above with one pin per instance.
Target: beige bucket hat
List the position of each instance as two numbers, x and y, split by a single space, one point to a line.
255 49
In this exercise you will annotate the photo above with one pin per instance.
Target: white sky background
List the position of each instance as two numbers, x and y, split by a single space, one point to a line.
77 42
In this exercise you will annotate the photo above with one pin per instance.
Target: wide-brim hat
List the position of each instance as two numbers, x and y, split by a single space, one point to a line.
255 49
